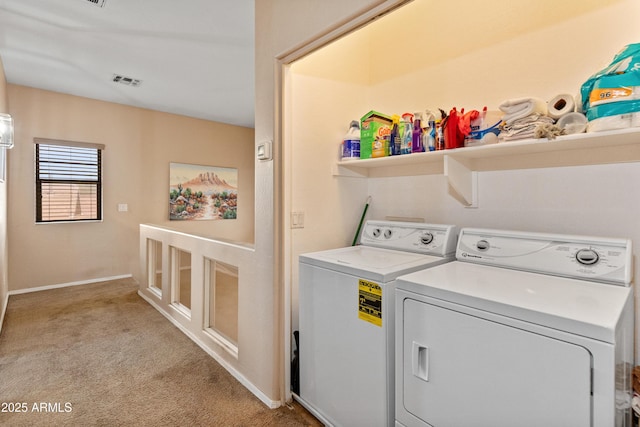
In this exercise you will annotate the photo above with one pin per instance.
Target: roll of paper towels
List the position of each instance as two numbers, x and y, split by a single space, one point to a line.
560 105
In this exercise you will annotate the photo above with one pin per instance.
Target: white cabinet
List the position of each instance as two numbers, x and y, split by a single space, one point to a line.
460 165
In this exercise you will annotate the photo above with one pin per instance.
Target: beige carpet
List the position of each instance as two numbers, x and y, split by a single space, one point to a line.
99 355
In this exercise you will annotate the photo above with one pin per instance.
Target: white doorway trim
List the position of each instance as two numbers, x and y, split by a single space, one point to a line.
282 152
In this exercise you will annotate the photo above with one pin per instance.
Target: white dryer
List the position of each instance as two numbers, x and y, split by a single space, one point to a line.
347 317
523 329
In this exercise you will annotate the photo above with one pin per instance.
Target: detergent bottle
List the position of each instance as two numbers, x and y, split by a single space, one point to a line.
351 142
416 145
429 131
394 140
439 136
407 136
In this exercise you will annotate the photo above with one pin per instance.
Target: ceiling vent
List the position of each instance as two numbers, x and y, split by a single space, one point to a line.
99 3
118 78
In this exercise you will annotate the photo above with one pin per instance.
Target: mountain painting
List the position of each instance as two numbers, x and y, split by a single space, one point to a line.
202 192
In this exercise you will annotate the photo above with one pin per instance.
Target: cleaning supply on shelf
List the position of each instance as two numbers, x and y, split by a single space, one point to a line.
484 129
453 137
407 133
465 119
375 132
431 137
429 131
440 130
351 142
439 136
611 97
416 136
394 140
425 135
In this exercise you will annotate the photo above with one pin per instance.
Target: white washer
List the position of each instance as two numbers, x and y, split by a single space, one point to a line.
523 329
346 319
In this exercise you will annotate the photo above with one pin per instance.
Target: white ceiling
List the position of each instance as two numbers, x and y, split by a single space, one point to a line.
194 58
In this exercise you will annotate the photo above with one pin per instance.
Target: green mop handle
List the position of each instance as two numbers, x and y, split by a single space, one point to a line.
366 206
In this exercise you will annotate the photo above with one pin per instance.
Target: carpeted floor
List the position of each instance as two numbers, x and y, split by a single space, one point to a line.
99 355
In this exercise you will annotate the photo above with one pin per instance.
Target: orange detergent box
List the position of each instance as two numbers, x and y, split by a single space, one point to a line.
375 132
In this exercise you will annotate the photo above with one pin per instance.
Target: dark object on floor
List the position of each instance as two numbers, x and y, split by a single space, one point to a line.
295 365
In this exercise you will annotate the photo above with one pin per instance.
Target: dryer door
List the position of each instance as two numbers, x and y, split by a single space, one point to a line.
462 370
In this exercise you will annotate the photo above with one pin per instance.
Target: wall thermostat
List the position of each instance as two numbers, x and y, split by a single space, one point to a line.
264 150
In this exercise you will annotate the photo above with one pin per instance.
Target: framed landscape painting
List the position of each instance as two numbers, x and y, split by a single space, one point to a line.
202 192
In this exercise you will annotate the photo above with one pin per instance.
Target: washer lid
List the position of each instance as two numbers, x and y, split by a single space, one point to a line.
576 306
372 263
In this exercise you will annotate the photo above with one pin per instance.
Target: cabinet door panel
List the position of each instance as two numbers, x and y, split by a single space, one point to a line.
459 369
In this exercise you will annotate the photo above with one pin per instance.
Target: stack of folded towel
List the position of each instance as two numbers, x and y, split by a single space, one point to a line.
522 116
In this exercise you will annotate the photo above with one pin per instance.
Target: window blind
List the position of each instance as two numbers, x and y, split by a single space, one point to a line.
68 181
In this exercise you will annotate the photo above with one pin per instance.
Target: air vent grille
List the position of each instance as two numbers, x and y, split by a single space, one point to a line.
118 78
99 3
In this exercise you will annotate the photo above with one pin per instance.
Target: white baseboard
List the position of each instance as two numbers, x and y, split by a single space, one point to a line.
237 375
65 285
4 310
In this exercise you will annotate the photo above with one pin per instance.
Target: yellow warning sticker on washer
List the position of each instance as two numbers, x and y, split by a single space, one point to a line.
370 302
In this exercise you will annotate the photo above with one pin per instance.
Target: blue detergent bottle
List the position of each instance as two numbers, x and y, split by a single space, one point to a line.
407 136
429 131
351 142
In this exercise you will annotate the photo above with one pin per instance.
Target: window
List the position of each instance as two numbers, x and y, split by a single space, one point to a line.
221 302
68 181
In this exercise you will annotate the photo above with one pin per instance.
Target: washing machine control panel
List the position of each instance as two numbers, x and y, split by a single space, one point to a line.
432 239
592 258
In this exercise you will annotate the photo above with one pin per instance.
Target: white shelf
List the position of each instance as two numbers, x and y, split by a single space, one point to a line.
460 165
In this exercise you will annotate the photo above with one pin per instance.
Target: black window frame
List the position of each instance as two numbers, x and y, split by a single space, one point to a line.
68 175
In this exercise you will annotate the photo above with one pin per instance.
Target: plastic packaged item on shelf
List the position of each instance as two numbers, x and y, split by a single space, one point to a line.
351 142
573 123
375 132
407 133
619 121
613 92
484 129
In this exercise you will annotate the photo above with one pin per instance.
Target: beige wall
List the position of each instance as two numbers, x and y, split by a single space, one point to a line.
4 256
139 146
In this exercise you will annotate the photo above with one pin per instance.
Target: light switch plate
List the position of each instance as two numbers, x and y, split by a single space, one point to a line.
297 219
264 150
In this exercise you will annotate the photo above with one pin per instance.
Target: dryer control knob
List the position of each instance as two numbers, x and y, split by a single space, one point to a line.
482 245
587 256
426 238
387 233
376 232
